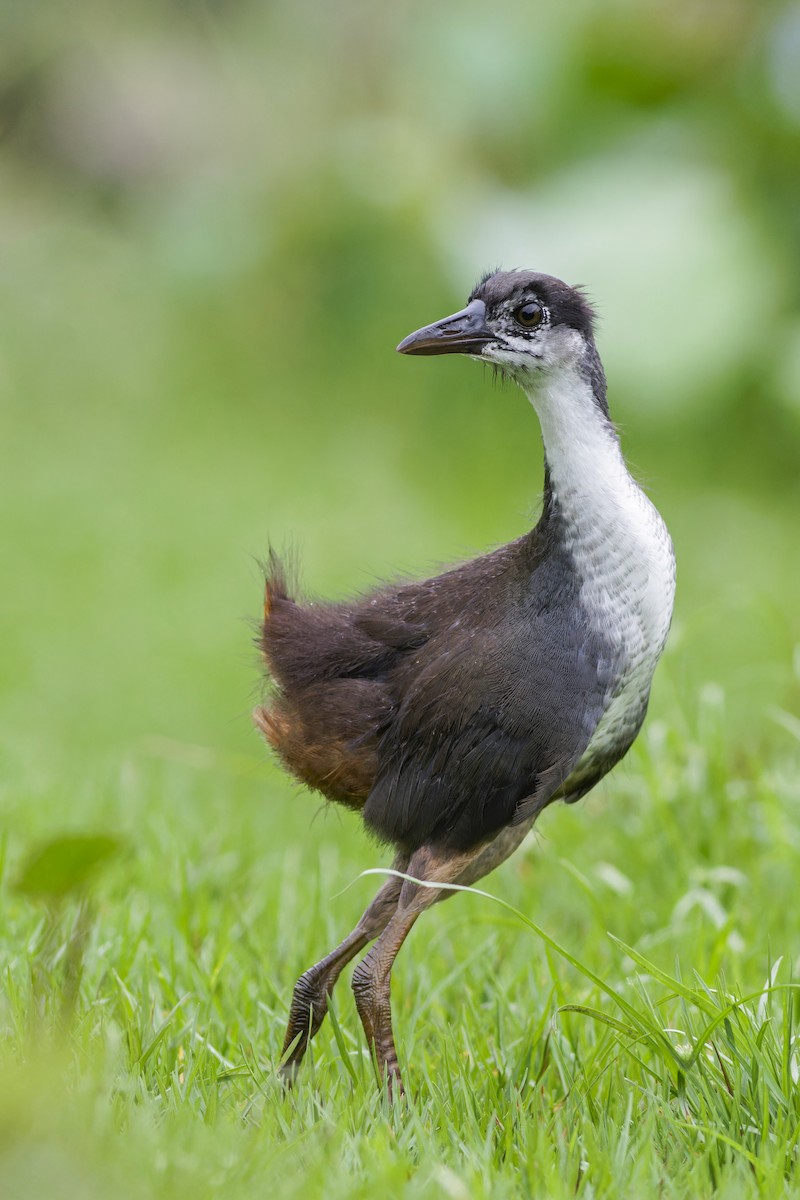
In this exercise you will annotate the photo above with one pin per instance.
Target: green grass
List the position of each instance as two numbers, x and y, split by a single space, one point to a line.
623 1022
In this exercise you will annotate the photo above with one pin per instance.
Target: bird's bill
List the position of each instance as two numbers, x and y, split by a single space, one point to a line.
466 332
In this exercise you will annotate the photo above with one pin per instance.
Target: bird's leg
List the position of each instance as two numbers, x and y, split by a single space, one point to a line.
372 976
310 998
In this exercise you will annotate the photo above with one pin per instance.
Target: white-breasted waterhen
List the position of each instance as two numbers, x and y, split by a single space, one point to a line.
450 712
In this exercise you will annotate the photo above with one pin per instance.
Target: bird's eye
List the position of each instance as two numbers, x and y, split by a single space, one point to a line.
528 315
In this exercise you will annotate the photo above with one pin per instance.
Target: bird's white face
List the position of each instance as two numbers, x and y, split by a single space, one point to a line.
526 325
524 352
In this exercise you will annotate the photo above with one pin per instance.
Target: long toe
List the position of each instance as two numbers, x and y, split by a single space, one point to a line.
306 1014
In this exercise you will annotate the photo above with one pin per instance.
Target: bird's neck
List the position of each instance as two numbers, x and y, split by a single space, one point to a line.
586 480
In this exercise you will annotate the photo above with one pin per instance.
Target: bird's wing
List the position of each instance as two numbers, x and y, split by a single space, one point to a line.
483 736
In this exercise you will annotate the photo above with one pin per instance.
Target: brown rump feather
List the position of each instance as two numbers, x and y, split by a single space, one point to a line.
329 705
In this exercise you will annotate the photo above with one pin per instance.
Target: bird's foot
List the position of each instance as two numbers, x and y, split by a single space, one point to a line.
308 1010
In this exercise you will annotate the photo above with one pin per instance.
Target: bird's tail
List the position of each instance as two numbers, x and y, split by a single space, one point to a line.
280 590
327 703
278 582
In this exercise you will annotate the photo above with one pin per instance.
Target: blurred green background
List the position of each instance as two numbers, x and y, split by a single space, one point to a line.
217 219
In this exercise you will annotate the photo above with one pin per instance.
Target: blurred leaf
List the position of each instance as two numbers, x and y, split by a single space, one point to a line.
65 864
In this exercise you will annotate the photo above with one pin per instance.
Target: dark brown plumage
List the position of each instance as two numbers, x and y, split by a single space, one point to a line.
412 702
451 711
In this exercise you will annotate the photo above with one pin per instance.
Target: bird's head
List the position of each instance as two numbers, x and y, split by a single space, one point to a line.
523 323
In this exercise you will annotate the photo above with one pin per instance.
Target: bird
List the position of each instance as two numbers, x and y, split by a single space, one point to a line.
450 712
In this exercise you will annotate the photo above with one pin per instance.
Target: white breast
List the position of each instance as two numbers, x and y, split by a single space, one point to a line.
627 566
619 544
